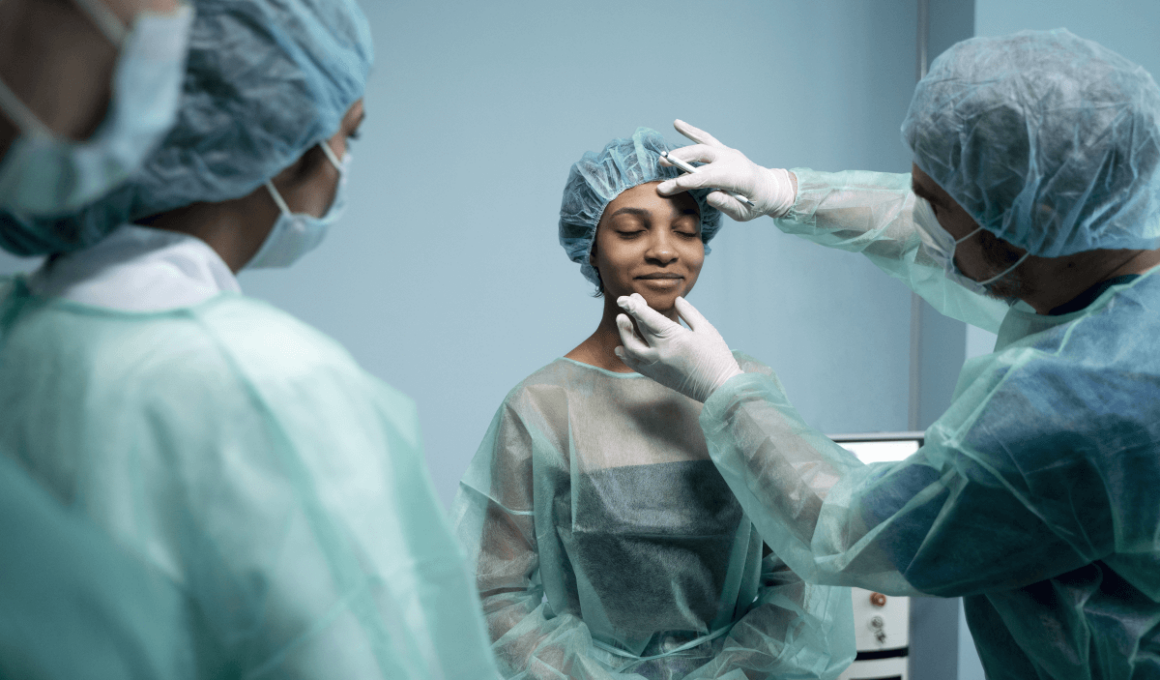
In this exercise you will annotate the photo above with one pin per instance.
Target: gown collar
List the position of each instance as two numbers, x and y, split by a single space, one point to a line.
137 269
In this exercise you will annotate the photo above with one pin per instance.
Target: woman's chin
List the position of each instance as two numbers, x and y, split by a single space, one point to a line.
661 302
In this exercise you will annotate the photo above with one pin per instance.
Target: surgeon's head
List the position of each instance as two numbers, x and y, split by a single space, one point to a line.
649 244
627 238
1049 142
978 253
265 84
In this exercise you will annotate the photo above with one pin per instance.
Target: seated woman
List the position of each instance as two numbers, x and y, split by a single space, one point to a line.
605 544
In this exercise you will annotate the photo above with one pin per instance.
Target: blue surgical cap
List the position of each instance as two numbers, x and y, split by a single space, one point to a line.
1049 141
598 178
265 81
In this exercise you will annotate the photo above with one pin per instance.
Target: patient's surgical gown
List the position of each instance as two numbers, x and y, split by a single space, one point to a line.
606 545
1036 495
245 457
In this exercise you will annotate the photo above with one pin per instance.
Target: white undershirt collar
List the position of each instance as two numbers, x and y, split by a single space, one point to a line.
137 269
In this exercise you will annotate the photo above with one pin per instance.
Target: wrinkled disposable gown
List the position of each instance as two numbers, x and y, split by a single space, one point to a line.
248 459
72 605
1035 494
607 546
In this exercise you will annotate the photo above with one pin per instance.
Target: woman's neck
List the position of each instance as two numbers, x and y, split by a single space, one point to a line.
235 229
598 349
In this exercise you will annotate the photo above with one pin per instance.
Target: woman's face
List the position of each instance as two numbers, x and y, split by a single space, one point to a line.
649 244
309 186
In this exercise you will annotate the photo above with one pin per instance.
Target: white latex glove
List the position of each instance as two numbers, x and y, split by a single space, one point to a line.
771 189
693 362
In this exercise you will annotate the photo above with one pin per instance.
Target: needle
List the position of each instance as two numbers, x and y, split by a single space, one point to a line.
685 167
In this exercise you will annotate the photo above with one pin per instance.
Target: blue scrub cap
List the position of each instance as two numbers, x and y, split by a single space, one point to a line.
265 81
598 178
1049 141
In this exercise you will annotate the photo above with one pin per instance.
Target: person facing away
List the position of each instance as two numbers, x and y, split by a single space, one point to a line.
604 543
240 454
1032 210
73 604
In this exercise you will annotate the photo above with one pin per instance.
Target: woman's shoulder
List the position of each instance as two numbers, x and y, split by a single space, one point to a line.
269 340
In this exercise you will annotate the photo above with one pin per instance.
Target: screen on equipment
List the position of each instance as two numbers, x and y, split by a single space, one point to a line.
880 447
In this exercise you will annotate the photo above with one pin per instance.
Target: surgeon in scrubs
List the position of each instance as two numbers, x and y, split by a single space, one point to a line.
604 542
1033 210
241 454
73 604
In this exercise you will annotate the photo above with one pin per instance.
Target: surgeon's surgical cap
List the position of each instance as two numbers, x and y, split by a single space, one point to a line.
1049 141
598 178
265 81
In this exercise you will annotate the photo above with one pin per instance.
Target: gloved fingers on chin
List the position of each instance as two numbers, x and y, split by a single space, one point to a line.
695 133
628 336
649 321
691 316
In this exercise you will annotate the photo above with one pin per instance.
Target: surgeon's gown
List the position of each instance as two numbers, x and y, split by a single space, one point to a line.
65 586
244 457
606 545
1036 495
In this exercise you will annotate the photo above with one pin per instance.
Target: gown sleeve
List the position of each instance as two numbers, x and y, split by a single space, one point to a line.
794 630
495 517
872 213
959 517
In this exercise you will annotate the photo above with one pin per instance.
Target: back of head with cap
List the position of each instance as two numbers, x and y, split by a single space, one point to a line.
1049 141
598 178
265 81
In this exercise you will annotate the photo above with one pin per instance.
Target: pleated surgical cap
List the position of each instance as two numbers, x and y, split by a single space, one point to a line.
598 178
1049 141
265 81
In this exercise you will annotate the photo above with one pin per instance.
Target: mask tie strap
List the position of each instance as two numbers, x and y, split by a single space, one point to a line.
105 20
277 198
1006 271
330 155
20 114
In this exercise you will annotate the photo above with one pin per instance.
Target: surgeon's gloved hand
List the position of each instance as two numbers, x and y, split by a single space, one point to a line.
693 362
772 190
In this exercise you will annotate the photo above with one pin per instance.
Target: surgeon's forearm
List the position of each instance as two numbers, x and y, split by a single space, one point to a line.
780 470
873 213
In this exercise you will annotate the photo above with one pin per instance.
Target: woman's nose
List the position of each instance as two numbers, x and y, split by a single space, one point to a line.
660 250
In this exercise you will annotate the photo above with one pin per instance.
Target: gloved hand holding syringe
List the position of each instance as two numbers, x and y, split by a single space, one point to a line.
745 190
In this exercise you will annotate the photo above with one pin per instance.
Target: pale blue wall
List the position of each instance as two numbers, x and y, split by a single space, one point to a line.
1127 26
446 279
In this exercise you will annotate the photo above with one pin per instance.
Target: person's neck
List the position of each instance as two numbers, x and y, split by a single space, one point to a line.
1057 281
235 229
598 349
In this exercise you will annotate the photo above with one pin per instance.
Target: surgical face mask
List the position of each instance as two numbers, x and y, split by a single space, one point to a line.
43 174
295 234
940 246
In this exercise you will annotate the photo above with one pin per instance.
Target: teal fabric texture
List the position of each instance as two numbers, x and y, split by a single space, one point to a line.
598 178
607 547
1048 141
73 606
1033 495
246 458
264 82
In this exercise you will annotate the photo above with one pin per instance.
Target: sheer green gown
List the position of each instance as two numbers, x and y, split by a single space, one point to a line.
606 546
1035 494
246 458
